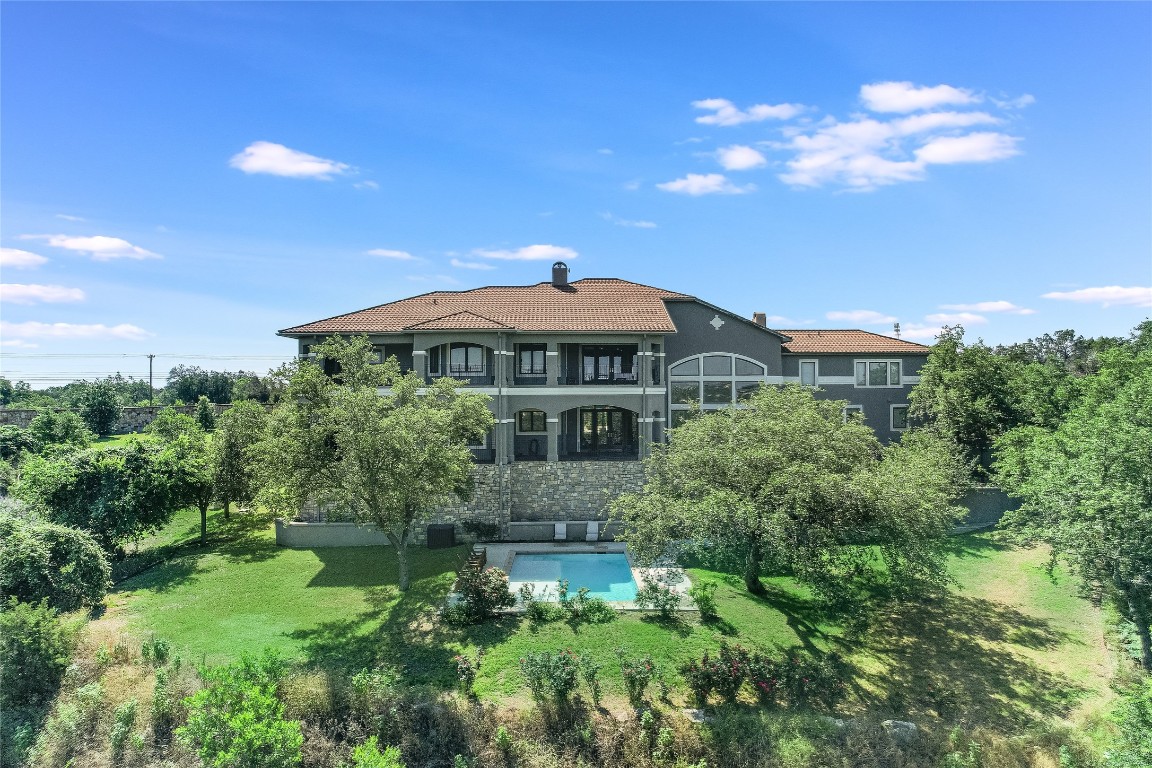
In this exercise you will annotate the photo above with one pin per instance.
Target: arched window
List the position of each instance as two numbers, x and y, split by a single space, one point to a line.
710 381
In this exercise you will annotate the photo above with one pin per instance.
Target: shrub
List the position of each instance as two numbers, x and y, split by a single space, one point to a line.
654 596
703 594
730 670
167 703
503 740
590 671
799 680
483 593
466 670
368 755
205 414
1133 717
637 674
550 675
100 406
44 561
123 720
484 531
60 428
373 691
590 610
14 440
34 650
698 676
236 719
155 651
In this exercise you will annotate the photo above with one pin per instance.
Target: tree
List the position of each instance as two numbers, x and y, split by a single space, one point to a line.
785 482
59 428
966 393
205 414
386 459
44 561
170 424
191 465
100 407
118 495
15 440
1086 486
239 429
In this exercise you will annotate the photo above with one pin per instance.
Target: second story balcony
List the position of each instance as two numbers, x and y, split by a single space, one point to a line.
601 365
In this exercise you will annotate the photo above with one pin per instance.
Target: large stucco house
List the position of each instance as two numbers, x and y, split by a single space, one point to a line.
595 369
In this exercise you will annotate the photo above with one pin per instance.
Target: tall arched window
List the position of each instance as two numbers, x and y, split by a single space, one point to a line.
710 381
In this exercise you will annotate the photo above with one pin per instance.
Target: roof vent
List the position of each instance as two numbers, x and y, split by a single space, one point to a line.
559 275
760 319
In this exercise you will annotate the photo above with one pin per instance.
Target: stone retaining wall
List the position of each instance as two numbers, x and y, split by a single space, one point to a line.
570 490
132 419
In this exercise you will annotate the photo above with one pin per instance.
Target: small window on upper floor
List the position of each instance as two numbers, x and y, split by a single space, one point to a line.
877 373
899 418
808 373
530 359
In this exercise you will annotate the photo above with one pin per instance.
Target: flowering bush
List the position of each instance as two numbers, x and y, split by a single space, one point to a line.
551 675
654 596
482 593
637 674
797 681
466 670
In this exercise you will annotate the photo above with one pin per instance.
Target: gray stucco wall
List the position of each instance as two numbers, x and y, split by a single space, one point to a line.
695 334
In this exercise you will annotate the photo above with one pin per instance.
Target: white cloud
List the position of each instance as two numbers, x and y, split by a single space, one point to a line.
740 158
66 217
936 121
386 253
32 293
470 264
990 306
18 259
367 184
279 160
956 318
17 344
862 316
1108 296
1018 102
972 148
725 112
632 185
529 253
905 97
605 151
99 247
697 184
919 332
640 224
35 330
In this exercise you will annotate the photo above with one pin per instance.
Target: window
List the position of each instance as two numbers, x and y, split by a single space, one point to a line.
466 359
807 373
877 373
434 361
711 381
530 359
531 421
899 418
853 412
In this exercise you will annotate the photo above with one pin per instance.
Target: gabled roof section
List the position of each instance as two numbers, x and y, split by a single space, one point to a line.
811 342
592 305
458 320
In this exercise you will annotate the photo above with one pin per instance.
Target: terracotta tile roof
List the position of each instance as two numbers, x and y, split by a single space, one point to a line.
811 342
592 304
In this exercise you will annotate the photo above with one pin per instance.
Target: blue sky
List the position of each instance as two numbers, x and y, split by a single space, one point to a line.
186 178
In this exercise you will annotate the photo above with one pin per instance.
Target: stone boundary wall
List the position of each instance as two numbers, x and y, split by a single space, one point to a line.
132 418
986 504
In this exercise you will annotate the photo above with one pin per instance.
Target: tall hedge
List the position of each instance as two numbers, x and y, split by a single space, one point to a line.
44 561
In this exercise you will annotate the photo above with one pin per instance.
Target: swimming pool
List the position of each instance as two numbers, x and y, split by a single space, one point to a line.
607 575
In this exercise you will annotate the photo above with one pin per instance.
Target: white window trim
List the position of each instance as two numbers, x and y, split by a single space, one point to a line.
815 373
892 420
700 379
866 361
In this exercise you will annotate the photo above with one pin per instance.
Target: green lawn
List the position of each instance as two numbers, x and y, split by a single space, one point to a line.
115 441
1007 645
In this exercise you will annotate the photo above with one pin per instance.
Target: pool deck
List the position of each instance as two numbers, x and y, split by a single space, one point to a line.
501 556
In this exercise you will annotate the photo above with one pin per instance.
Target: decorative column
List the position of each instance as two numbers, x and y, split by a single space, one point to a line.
552 364
553 438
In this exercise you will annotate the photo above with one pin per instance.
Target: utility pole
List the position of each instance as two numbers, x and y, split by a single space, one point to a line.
150 357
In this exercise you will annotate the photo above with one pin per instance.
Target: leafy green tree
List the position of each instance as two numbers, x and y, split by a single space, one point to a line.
60 428
1133 718
15 440
99 404
785 483
6 391
1086 487
386 459
236 721
118 495
170 424
239 429
966 393
205 414
191 465
44 561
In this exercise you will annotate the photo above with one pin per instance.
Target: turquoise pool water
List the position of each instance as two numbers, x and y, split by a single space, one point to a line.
607 576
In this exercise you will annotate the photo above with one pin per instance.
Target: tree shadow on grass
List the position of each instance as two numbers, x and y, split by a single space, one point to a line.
974 545
953 657
674 624
400 629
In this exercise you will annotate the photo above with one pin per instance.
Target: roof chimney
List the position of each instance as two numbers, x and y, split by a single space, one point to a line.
760 319
559 275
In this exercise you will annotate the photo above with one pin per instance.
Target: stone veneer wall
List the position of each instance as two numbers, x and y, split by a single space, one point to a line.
132 419
526 492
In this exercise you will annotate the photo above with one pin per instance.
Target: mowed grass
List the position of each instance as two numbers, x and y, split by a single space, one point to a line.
1009 644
